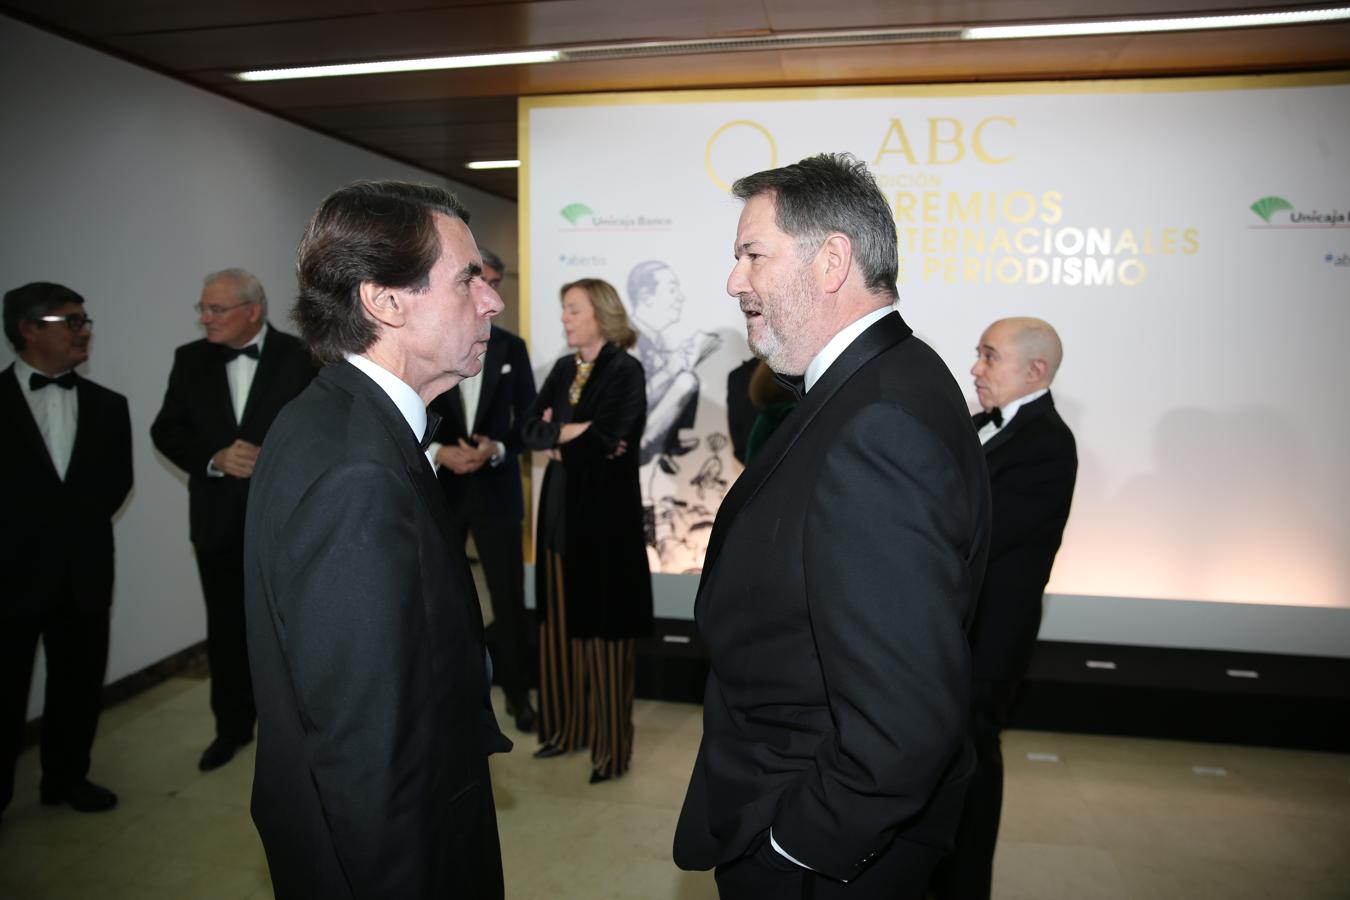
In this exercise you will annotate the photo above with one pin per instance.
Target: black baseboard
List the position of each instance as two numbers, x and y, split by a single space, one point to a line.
1210 696
188 660
1216 696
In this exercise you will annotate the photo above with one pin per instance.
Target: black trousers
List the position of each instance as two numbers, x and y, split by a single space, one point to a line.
967 874
901 872
76 644
508 637
222 575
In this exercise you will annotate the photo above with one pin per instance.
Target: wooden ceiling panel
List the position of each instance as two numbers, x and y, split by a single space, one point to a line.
812 15
440 120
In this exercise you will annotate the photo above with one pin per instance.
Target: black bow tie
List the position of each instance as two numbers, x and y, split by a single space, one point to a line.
37 381
996 416
233 353
794 384
433 422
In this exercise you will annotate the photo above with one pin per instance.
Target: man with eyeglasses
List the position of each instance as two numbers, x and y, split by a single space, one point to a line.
224 391
65 466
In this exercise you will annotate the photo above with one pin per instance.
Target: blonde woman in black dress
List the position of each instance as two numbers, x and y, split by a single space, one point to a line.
593 585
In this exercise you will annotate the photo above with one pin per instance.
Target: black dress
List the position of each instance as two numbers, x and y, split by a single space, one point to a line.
593 583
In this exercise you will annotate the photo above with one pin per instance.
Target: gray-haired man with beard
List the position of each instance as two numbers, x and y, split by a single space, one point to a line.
841 573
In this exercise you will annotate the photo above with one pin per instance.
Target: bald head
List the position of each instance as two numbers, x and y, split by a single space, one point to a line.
1016 357
1036 340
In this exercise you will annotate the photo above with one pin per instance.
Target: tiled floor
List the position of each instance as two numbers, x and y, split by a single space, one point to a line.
1089 817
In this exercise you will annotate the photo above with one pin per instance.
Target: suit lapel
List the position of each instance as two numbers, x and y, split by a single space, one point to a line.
263 375
84 428
1025 414
879 337
492 375
16 410
218 385
354 381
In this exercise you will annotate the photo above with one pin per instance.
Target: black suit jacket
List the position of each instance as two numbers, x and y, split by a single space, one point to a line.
841 572
1033 463
197 419
60 546
366 647
492 495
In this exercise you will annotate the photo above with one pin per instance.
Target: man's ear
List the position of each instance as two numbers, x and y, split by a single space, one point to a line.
383 304
27 330
833 261
1036 371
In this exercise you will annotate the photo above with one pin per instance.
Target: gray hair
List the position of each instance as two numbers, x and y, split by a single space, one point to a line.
827 194
247 287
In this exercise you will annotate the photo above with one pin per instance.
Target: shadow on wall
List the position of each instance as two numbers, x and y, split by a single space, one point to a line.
1223 515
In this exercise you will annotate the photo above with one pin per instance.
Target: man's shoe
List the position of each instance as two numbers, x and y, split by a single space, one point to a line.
523 713
220 752
598 777
81 796
548 751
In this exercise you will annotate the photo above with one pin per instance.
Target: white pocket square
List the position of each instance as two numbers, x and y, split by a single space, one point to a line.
506 368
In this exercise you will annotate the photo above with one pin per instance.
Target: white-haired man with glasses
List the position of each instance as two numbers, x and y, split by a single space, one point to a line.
224 391
65 470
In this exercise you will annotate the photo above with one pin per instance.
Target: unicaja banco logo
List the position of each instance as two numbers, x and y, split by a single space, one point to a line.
573 212
582 218
1267 207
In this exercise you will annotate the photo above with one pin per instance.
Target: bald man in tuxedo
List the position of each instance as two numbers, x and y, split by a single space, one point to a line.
1033 464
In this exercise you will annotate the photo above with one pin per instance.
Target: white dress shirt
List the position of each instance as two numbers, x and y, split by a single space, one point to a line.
56 410
239 373
405 398
989 429
838 344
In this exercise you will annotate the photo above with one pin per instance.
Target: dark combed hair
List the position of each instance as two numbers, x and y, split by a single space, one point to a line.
378 231
829 193
492 260
35 299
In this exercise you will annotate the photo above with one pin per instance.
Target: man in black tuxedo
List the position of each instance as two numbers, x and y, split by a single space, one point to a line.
841 572
66 469
224 391
477 450
374 717
1032 467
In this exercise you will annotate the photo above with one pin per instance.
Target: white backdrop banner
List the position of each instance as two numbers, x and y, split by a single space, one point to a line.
1188 238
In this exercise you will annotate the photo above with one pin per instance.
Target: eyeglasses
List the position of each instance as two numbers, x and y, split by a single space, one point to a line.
214 311
74 321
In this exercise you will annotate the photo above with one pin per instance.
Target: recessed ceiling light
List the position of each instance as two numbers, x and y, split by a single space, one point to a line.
1139 26
523 58
494 164
791 40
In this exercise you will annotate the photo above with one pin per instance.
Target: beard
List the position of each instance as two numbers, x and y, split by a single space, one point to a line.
785 322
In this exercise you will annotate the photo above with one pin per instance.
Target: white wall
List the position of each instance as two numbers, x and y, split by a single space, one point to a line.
129 187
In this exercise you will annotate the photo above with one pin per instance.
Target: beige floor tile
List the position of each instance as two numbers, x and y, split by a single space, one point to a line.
1112 819
1024 871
